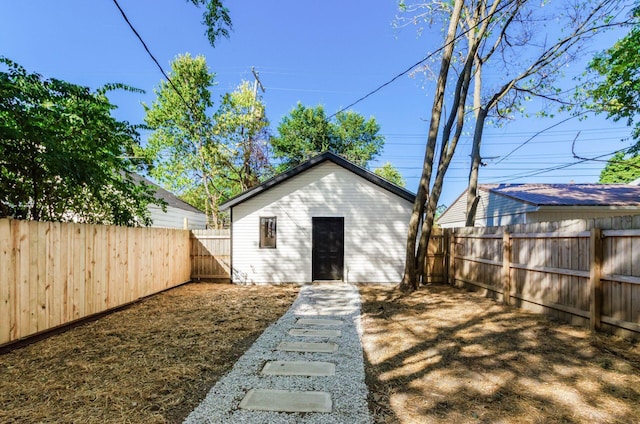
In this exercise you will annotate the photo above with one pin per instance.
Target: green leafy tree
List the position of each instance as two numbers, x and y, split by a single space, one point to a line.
183 147
307 132
204 155
391 174
618 93
241 128
621 169
63 157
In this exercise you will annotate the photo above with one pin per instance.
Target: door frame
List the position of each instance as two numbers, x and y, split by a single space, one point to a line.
337 219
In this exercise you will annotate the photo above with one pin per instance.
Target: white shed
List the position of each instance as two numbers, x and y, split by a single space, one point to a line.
326 219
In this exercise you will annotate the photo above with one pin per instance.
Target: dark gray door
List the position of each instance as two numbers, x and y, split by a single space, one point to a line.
327 257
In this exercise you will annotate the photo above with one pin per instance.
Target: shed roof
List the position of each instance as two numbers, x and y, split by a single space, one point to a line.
167 196
315 161
569 194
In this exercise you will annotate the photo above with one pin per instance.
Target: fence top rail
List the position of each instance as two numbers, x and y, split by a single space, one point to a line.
621 233
478 236
581 234
199 237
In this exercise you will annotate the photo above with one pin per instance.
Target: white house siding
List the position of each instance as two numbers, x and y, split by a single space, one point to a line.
502 211
561 213
174 218
375 228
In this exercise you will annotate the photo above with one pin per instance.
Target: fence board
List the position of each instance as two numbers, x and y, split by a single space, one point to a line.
549 268
52 274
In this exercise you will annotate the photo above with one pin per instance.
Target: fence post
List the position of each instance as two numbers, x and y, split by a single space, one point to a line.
506 268
595 271
452 259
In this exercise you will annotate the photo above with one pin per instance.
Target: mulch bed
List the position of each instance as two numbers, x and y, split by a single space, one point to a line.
150 363
444 355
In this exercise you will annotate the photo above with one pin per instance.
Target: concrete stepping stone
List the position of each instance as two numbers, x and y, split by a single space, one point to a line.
308 332
319 321
308 347
306 368
286 401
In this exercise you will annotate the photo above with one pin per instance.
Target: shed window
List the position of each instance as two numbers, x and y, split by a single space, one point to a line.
268 232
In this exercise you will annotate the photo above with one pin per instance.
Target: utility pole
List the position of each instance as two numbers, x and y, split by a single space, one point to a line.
257 82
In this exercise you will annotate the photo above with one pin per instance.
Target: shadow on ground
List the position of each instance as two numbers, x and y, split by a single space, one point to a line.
443 355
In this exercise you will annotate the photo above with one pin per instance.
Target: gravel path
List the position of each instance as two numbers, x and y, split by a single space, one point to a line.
347 387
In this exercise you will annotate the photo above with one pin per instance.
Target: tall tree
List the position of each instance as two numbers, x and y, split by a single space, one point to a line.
617 93
63 157
242 130
477 29
516 31
307 132
183 147
621 169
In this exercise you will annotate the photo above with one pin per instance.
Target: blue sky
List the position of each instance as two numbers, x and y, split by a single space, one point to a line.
327 52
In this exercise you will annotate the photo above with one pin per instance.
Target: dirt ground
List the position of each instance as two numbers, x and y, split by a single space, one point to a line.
444 355
150 363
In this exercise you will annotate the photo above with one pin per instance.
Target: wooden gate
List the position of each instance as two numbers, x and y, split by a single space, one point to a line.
210 254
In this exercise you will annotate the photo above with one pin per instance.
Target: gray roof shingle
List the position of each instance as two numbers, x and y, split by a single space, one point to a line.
569 194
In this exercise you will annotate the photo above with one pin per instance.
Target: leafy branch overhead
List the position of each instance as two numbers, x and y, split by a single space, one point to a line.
63 157
617 93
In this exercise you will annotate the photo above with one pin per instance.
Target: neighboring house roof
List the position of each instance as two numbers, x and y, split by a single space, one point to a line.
315 161
171 199
569 194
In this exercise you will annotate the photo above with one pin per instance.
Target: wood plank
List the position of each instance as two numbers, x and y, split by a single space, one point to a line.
79 240
41 277
89 281
479 260
622 324
595 269
551 270
7 280
635 273
33 278
580 234
622 233
564 308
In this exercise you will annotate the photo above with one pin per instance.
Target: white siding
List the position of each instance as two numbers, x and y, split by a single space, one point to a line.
174 218
375 228
493 210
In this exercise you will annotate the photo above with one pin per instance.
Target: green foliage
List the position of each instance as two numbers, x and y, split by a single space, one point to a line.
216 18
242 131
306 132
63 157
203 155
182 147
618 94
620 169
391 174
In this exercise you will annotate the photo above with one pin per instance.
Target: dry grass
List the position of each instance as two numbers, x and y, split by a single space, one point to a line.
443 355
150 363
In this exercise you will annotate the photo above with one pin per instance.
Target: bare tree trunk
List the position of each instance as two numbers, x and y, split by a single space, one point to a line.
472 191
409 280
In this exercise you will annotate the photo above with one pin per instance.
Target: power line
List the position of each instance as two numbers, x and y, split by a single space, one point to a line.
152 56
420 62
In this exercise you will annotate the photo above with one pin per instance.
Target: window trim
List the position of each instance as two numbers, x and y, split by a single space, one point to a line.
262 241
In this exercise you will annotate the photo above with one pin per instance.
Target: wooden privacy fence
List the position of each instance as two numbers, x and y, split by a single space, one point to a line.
583 272
436 256
210 254
55 273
